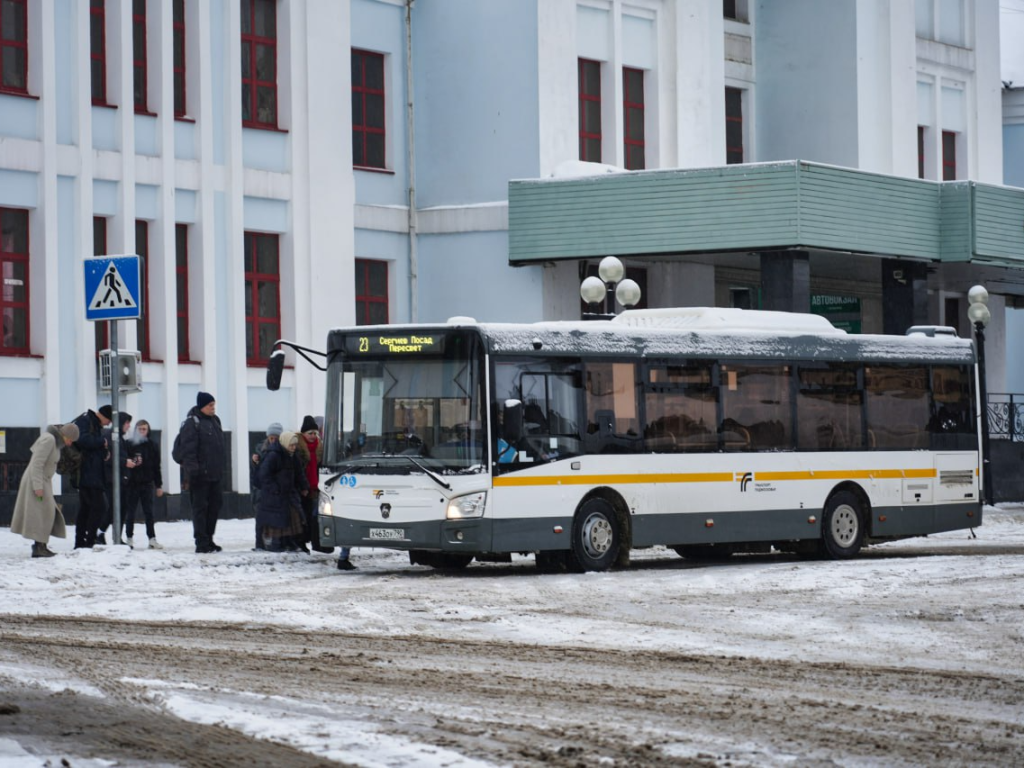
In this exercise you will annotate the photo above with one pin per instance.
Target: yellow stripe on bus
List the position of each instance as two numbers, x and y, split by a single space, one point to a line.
508 481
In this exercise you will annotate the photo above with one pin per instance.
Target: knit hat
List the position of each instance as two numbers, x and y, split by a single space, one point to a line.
275 428
70 431
203 399
309 423
107 412
287 438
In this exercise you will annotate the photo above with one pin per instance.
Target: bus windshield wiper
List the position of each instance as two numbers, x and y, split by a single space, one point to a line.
429 473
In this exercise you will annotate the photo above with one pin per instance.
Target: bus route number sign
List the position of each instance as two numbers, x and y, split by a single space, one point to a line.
398 344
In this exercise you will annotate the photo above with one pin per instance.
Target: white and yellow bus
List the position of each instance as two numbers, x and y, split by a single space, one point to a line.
708 431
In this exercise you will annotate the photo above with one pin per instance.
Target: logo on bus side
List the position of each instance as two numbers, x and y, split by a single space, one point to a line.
744 480
348 481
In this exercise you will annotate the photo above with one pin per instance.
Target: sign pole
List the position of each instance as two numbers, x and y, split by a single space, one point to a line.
115 432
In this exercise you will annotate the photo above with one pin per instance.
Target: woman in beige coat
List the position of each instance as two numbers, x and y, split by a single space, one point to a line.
36 516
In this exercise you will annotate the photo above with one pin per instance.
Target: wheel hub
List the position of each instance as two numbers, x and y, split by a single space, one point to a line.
597 535
845 525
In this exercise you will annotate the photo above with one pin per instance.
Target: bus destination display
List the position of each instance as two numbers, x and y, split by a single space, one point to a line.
398 344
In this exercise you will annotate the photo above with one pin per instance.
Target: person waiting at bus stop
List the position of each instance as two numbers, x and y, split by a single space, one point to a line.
202 464
36 514
91 501
281 481
274 430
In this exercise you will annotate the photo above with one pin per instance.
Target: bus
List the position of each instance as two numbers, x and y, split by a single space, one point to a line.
706 431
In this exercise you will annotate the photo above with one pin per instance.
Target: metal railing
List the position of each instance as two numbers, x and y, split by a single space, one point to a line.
1006 416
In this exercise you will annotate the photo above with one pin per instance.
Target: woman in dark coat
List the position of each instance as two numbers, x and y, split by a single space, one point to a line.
279 513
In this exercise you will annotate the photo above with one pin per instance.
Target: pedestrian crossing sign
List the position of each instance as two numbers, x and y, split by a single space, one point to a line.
112 288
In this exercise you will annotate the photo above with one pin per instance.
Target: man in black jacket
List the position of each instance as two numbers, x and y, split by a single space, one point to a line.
92 504
202 465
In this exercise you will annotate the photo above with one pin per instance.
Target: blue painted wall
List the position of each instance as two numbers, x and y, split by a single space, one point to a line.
806 47
479 135
451 272
1013 155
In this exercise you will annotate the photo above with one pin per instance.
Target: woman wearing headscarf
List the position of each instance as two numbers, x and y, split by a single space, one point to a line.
36 515
280 503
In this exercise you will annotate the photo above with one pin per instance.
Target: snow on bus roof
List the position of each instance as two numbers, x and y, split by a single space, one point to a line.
719 333
709 332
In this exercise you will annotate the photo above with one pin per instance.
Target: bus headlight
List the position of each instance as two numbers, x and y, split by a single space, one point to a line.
325 505
470 505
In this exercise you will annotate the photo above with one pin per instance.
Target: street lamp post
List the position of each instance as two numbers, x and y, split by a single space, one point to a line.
609 288
979 315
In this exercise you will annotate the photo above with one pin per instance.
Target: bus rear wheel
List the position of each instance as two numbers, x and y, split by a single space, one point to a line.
596 538
842 527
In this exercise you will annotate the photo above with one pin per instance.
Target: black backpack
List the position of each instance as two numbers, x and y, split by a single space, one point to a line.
176 448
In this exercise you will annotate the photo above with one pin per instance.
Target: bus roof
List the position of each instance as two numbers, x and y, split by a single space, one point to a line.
707 332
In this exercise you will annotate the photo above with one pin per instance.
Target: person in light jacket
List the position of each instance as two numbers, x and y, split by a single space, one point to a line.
36 515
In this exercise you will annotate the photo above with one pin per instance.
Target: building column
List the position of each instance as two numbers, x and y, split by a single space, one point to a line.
904 295
786 281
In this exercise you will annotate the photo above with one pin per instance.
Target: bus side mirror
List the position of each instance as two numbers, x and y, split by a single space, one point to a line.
512 421
275 367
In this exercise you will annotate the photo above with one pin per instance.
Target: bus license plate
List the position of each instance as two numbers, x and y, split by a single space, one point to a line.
387 533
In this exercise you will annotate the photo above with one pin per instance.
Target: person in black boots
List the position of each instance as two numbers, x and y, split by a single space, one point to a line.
127 465
202 465
146 481
92 505
310 455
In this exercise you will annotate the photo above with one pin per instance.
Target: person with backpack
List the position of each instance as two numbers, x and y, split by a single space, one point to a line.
36 514
199 448
92 505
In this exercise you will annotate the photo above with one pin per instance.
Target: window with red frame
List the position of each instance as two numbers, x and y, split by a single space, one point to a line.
98 50
948 156
14 288
371 292
262 296
259 63
139 65
633 117
920 151
14 46
142 324
99 248
590 110
178 22
733 126
368 132
181 289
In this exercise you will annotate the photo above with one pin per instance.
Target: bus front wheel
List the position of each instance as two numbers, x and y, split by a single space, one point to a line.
595 536
842 527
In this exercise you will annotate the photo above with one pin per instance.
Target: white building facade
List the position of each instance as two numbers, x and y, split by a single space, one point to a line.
287 166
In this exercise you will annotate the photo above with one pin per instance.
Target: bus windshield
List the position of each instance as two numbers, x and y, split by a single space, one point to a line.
396 412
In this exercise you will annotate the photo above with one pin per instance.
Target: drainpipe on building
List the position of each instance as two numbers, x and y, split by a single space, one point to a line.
414 310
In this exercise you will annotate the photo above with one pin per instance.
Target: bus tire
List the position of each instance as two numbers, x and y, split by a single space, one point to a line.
596 537
842 526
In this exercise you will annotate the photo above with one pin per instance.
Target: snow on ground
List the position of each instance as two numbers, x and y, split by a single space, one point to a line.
950 601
